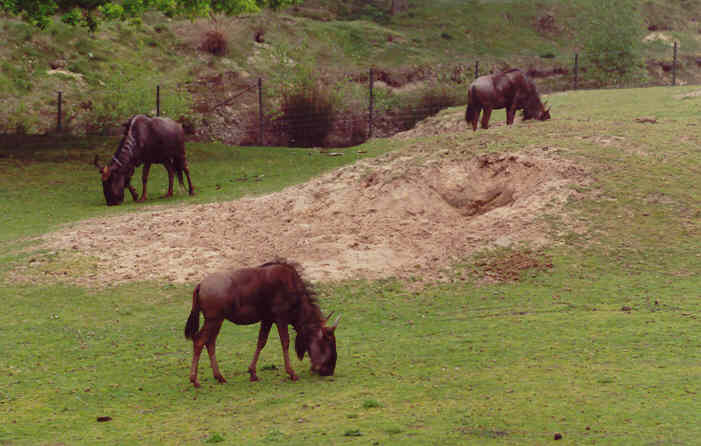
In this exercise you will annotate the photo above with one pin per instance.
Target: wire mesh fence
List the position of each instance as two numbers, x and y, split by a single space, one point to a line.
380 110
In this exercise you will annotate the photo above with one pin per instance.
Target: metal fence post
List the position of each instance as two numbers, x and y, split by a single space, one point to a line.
674 65
158 100
58 114
260 111
576 70
371 105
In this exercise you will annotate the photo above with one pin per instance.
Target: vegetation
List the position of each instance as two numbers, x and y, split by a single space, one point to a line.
336 41
602 348
613 43
90 12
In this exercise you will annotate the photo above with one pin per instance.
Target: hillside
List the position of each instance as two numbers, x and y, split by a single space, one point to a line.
113 74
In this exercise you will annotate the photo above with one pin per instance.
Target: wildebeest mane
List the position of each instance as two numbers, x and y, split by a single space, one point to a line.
307 289
309 311
125 150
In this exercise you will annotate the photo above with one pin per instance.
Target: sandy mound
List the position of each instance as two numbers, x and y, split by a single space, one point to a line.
402 215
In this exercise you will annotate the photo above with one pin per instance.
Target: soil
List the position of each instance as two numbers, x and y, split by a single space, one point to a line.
411 214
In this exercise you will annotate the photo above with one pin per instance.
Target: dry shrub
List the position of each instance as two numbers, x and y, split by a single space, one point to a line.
307 116
350 129
214 43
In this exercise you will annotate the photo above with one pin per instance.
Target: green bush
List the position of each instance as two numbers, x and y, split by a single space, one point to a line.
612 50
112 11
73 17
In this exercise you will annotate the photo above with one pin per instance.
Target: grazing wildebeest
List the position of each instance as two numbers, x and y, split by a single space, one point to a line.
510 89
148 141
271 293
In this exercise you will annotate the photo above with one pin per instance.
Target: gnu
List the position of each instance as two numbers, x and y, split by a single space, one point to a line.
511 90
146 141
271 293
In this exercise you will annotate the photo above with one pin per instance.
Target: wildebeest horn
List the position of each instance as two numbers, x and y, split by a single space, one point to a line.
329 316
96 162
335 323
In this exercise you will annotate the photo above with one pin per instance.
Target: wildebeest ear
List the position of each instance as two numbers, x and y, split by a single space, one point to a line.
300 346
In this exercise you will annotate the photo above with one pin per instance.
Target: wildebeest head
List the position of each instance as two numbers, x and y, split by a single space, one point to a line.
113 183
535 109
320 343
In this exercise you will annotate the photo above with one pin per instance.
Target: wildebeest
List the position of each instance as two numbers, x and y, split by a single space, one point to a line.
271 293
148 141
510 89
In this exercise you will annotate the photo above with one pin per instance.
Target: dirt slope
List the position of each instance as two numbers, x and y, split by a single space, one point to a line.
407 214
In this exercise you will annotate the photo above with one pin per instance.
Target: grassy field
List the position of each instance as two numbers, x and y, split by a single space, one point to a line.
602 348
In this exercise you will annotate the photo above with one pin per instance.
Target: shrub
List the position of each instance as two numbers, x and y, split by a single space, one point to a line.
112 11
306 116
612 34
214 43
73 17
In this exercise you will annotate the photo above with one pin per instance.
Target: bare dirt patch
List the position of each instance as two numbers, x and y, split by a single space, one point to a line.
409 214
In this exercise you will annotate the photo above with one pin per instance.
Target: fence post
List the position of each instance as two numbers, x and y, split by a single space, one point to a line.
158 100
477 69
58 114
576 70
370 106
674 65
260 111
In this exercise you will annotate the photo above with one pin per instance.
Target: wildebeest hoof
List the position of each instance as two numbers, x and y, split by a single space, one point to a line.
294 377
195 383
220 379
254 378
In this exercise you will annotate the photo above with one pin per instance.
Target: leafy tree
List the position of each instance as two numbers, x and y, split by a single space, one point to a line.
84 12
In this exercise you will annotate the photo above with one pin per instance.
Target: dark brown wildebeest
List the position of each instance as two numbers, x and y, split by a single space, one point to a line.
148 141
510 89
271 293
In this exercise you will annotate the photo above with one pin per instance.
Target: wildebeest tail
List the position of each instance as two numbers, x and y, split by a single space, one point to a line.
193 322
471 109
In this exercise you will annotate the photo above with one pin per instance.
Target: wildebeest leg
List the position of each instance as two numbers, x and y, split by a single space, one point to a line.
144 180
132 190
181 166
207 334
476 117
285 340
171 173
189 182
510 112
211 347
485 118
262 339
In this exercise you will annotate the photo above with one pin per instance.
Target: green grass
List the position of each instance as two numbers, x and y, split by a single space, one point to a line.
603 348
56 181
